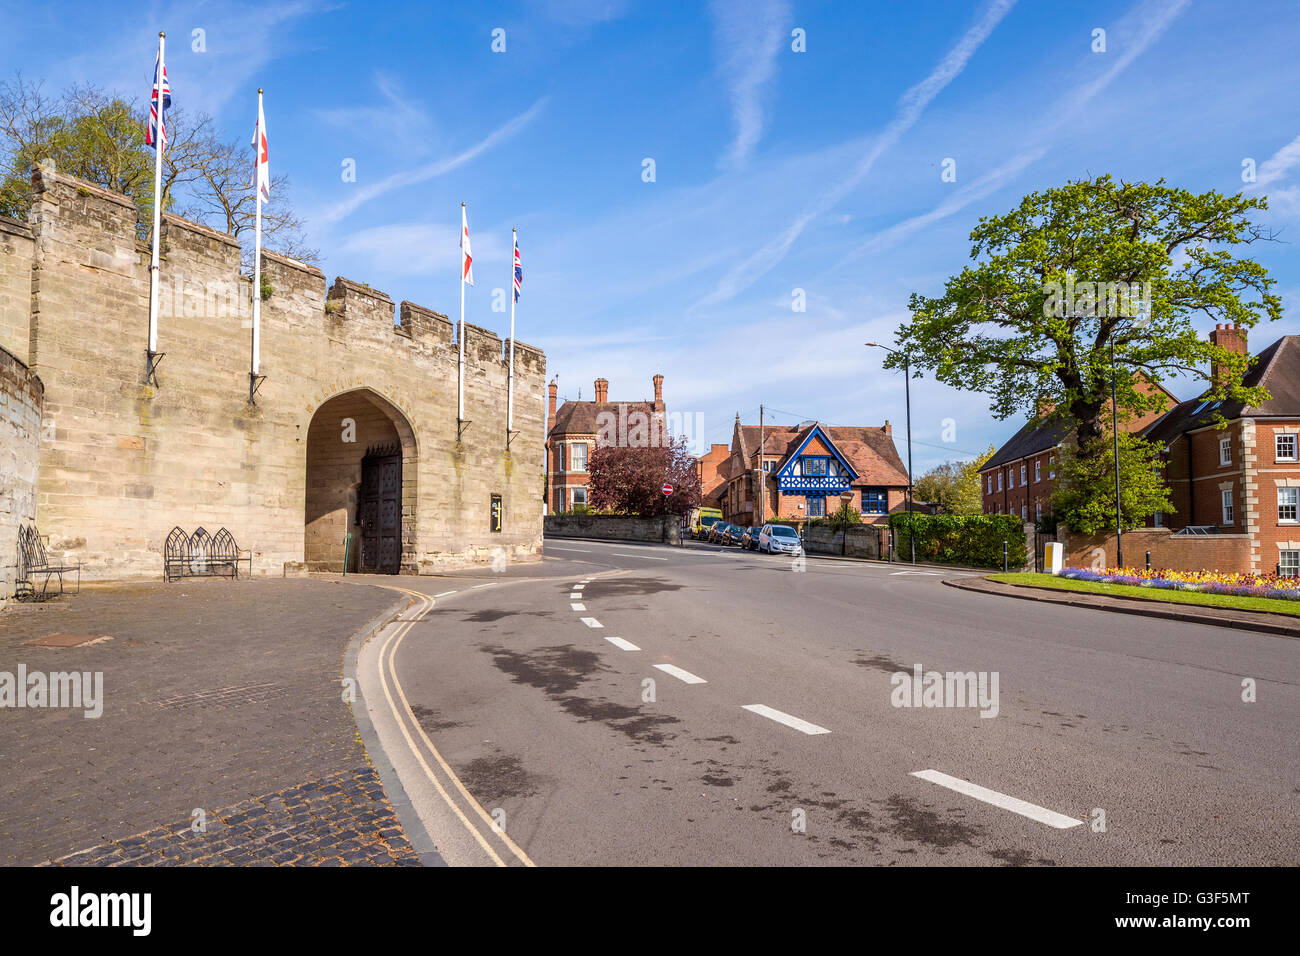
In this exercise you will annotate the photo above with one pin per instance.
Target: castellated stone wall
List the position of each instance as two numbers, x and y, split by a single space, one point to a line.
122 461
20 423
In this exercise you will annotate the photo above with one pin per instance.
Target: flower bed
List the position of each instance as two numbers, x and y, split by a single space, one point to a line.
1207 582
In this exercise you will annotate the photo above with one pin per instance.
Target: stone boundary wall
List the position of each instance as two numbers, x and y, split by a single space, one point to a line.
20 435
612 527
866 541
124 461
1211 552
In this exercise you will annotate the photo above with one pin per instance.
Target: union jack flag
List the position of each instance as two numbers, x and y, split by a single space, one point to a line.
519 270
157 130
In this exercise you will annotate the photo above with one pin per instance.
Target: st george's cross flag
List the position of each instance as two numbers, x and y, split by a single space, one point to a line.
466 260
157 129
262 170
519 271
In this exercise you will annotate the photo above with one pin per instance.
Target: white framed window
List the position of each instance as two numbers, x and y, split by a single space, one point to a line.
1038 471
1024 512
577 496
1288 563
1288 504
990 482
999 481
1227 505
1225 451
1011 478
578 457
1051 466
1158 519
1285 446
1038 511
1023 467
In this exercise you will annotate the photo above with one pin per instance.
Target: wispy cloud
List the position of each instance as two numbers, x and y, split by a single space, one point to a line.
1278 165
748 37
420 174
412 248
910 107
398 115
1145 24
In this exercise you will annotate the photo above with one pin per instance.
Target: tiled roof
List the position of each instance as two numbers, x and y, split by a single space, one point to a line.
1277 368
868 449
1036 435
581 418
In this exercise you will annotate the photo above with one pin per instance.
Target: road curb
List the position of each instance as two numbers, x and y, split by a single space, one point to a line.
1028 592
421 842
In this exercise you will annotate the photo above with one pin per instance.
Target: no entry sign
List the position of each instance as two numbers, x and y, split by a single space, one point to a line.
667 489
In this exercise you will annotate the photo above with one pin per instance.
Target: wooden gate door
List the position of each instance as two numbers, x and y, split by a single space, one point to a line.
380 510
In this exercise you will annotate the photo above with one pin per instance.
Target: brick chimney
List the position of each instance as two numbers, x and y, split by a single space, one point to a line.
1044 406
550 408
887 428
602 389
659 392
1230 337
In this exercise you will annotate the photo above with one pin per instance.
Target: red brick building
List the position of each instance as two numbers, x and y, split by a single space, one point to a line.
805 468
713 469
1243 478
573 430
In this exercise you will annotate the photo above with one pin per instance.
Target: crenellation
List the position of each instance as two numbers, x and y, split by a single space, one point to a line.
126 461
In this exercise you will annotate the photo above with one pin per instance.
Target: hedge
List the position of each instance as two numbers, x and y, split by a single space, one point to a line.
973 540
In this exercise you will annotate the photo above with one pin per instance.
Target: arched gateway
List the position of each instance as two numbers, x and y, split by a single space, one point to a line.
361 486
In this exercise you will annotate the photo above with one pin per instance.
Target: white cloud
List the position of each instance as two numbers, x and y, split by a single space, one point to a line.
420 174
396 115
1278 165
412 248
749 36
910 107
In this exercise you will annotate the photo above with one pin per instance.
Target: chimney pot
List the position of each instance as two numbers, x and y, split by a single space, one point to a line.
602 389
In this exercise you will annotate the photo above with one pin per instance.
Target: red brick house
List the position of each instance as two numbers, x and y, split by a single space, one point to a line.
805 468
573 430
713 469
1242 479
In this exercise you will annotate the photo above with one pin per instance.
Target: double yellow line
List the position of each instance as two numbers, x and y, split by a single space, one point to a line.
402 715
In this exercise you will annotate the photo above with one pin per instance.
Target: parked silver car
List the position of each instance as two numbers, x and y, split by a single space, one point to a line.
779 539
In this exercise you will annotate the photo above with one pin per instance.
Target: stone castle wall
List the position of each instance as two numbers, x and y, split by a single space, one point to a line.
124 461
20 429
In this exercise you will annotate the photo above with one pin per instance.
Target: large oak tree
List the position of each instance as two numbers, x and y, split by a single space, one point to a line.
1001 325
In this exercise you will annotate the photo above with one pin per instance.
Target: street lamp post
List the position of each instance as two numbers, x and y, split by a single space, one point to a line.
907 395
1114 425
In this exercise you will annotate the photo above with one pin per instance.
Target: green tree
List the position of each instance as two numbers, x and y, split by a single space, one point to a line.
1085 497
1025 322
954 486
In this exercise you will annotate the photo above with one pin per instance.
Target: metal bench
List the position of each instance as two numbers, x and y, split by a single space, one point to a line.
34 563
201 555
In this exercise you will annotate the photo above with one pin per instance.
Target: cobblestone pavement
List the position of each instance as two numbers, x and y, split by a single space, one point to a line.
216 693
344 819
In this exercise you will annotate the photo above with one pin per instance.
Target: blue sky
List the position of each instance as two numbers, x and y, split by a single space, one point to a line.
775 170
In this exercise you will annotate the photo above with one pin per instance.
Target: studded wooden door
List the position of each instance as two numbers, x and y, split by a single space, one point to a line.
380 510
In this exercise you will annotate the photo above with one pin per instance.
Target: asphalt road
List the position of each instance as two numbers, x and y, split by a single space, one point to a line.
771 735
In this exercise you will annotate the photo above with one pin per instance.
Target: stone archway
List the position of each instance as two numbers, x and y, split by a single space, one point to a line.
353 441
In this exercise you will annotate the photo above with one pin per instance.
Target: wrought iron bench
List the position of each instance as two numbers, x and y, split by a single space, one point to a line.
201 555
34 563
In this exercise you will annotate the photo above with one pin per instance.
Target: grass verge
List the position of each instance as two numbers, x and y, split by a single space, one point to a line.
1229 601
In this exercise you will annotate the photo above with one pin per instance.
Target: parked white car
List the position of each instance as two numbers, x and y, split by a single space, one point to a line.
779 539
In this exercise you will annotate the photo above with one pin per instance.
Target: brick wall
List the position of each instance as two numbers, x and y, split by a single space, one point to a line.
1218 552
20 430
612 527
128 461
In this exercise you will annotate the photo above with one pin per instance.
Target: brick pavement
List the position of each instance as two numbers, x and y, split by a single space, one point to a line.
217 694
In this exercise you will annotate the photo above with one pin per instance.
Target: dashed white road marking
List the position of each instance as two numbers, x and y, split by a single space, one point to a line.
575 595
644 557
586 580
781 717
577 587
685 676
931 573
622 644
1053 819
444 594
591 622
579 550
477 586
578 607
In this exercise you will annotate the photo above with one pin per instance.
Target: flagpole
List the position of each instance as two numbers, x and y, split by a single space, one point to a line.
159 145
257 254
510 379
460 361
